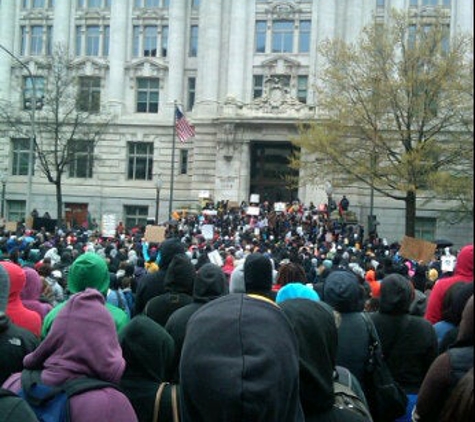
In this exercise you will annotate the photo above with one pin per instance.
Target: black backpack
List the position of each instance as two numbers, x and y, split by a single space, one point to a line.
51 403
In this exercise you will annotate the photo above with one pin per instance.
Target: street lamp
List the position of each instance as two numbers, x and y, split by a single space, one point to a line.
329 192
31 148
159 185
3 179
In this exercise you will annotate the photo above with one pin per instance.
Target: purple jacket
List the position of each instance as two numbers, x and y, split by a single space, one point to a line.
31 292
83 341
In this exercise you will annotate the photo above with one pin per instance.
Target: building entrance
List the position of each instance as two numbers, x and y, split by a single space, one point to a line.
271 175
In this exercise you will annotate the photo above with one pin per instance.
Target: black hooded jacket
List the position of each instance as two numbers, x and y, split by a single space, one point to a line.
317 335
178 286
240 363
153 284
345 294
148 351
409 343
210 283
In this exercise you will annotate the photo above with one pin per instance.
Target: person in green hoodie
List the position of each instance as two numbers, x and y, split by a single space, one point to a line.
89 270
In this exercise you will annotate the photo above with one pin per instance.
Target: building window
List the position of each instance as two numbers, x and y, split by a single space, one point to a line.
282 36
16 210
195 3
37 4
151 3
261 32
21 153
36 40
31 87
258 86
82 159
425 228
95 39
380 3
191 93
135 216
140 161
193 41
164 42
302 89
146 40
304 36
49 40
183 161
147 95
89 95
94 4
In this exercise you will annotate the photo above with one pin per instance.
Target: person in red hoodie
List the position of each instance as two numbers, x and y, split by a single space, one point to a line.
463 272
16 311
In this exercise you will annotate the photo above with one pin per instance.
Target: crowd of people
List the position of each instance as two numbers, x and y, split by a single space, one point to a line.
234 316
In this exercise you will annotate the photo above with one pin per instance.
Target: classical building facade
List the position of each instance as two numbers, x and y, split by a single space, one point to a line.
242 72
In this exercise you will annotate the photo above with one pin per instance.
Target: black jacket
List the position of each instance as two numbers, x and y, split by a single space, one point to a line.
153 284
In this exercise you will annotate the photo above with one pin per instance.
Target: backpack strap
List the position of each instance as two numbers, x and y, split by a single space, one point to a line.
158 399
32 378
175 404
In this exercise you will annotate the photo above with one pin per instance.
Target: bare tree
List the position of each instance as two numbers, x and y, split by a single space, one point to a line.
66 124
395 107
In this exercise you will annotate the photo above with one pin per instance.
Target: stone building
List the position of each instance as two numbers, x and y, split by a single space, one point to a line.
241 71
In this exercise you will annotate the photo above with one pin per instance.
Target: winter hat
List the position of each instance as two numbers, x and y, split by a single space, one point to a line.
343 292
432 275
210 283
258 273
88 270
180 275
327 263
236 282
4 289
296 290
397 293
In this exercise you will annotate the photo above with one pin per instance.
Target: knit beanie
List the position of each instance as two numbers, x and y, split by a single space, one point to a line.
236 282
88 270
296 291
4 289
258 274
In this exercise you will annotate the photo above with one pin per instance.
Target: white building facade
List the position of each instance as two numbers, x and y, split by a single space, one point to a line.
241 71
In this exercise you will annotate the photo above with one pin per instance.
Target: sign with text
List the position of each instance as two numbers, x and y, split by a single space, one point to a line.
279 206
208 231
417 249
253 210
109 224
154 234
254 198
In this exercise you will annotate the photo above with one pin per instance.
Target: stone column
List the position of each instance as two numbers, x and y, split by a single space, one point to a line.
62 25
118 45
238 35
177 51
209 55
7 32
462 17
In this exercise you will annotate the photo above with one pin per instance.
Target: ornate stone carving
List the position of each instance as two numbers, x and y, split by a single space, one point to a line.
229 142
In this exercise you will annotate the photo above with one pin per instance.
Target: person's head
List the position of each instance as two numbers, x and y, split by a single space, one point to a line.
291 272
147 349
343 292
258 273
236 281
448 312
180 275
4 290
210 283
397 293
252 342
294 291
88 270
17 278
317 335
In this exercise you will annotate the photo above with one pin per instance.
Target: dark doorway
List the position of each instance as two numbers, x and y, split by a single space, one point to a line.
270 171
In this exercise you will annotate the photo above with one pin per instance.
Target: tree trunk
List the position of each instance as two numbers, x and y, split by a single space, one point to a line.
410 213
59 202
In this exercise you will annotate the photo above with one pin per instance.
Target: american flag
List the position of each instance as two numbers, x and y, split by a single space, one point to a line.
184 130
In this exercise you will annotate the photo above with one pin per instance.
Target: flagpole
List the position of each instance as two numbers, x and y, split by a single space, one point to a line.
172 175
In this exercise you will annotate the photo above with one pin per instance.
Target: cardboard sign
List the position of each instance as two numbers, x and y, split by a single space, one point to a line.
154 234
254 198
279 206
207 231
253 210
215 258
108 224
210 212
10 226
417 249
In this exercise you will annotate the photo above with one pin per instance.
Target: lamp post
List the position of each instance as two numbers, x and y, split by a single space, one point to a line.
329 192
31 149
159 185
3 179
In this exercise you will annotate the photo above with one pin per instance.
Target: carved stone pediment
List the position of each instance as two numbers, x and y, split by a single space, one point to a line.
281 66
91 66
146 67
144 13
283 10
